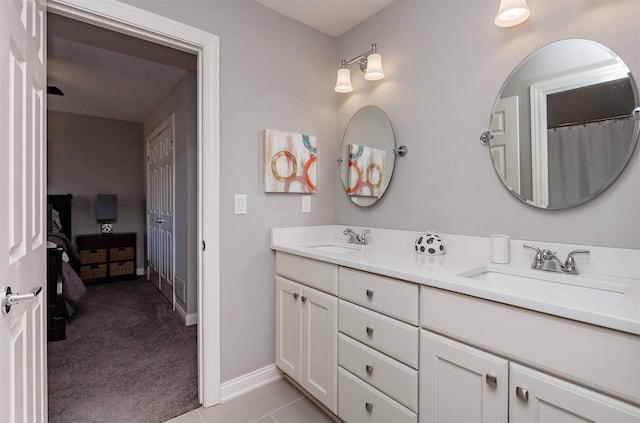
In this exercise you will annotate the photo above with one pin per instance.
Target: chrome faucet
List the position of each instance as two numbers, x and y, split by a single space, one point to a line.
549 261
354 238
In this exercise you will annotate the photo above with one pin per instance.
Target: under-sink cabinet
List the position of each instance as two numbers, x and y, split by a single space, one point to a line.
517 366
307 326
378 349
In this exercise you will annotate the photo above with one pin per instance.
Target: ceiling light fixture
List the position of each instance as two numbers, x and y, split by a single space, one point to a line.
512 13
370 62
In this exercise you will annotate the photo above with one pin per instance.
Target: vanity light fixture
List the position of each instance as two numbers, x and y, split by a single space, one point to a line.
370 63
512 13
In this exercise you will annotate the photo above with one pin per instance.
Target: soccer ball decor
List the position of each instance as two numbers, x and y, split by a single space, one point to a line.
429 243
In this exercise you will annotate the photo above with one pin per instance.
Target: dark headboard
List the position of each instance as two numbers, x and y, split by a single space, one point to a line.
62 204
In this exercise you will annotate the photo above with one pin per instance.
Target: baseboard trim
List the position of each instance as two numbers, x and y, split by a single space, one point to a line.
189 319
140 271
248 382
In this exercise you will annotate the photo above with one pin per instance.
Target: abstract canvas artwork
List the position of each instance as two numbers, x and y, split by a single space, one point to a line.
366 171
289 162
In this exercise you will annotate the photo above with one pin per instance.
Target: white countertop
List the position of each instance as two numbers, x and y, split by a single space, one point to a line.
392 254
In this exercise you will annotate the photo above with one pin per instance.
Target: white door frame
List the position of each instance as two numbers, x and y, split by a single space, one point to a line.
123 18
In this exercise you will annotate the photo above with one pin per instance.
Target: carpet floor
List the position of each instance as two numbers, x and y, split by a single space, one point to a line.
127 357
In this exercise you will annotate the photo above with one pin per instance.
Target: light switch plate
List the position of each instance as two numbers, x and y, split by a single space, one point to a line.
240 204
306 204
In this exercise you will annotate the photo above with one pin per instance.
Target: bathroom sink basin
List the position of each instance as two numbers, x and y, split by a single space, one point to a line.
335 249
550 285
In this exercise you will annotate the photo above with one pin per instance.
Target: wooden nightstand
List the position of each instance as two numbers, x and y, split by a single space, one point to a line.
107 257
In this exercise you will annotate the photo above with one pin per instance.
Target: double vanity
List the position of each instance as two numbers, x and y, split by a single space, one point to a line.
379 333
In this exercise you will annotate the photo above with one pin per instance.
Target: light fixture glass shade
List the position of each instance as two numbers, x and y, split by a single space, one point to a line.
374 67
343 83
512 13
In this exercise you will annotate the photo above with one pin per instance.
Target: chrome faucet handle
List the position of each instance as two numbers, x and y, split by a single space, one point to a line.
363 236
570 263
538 260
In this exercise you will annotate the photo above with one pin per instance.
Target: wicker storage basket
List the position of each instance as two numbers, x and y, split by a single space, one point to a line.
93 256
94 271
120 253
121 268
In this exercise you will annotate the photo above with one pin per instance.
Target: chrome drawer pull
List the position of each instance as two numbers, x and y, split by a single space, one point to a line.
369 293
522 393
368 406
491 380
369 368
369 330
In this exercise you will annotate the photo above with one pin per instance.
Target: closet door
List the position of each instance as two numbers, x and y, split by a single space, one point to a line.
160 206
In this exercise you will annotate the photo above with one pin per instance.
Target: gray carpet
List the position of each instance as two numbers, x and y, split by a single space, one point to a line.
127 358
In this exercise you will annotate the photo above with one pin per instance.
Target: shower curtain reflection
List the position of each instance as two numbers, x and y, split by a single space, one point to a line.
582 158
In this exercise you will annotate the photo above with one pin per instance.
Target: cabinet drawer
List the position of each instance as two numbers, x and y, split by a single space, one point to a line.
388 375
388 296
383 333
314 273
122 240
94 255
94 271
360 402
121 268
90 242
120 253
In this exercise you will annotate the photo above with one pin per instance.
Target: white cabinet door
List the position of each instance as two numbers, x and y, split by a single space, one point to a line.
288 327
306 339
538 397
459 383
319 346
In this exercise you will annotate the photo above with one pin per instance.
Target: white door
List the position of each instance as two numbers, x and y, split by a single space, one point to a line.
505 144
319 347
160 194
288 326
538 397
23 386
459 383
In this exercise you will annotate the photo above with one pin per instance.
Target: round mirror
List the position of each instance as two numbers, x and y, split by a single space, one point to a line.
564 124
367 158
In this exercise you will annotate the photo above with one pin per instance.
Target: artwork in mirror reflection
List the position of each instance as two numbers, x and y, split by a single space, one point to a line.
564 124
289 162
367 156
366 171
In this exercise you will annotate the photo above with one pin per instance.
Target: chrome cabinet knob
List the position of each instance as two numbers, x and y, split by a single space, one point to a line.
369 293
369 330
522 393
295 295
304 299
369 406
492 380
369 368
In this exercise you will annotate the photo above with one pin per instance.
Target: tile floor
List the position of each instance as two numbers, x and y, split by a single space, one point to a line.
277 402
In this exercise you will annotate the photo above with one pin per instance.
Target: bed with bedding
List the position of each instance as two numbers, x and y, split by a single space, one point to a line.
65 287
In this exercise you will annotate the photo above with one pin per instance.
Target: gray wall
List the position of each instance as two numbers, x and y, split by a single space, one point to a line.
182 100
89 156
279 74
444 63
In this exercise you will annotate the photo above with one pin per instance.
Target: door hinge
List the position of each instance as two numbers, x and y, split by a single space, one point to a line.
204 245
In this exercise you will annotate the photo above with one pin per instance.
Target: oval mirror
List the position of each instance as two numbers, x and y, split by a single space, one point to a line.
564 124
367 157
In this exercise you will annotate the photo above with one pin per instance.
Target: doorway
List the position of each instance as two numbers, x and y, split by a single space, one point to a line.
129 20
